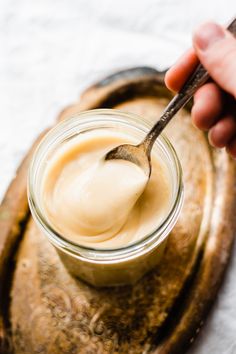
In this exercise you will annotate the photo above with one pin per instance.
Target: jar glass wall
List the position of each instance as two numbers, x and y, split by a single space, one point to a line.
106 267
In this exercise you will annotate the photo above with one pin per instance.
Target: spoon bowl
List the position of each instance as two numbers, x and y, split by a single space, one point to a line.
134 153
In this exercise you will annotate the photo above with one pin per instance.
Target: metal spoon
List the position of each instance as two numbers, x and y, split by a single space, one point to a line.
141 154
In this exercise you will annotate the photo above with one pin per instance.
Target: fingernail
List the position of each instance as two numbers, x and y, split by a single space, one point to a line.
207 34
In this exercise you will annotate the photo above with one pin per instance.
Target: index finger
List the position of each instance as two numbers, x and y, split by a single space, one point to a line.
177 75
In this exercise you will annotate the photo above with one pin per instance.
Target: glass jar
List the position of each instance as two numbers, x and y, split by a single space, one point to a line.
108 267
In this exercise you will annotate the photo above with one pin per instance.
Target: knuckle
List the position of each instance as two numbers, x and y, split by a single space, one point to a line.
223 64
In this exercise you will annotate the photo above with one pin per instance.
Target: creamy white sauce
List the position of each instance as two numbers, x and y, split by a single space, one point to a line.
103 204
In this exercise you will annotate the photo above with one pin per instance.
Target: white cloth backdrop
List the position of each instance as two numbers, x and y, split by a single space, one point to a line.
51 50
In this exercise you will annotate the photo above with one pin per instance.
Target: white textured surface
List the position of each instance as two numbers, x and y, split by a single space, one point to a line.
51 50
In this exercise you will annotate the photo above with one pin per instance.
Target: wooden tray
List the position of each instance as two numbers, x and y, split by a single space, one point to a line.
45 310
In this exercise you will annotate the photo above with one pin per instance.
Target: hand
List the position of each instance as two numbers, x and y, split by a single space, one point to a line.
214 108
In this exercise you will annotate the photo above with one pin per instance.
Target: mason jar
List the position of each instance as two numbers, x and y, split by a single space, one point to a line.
106 267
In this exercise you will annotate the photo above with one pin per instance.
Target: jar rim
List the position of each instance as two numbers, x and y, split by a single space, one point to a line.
152 239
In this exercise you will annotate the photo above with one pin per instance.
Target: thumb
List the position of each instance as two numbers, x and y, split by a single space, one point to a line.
216 50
